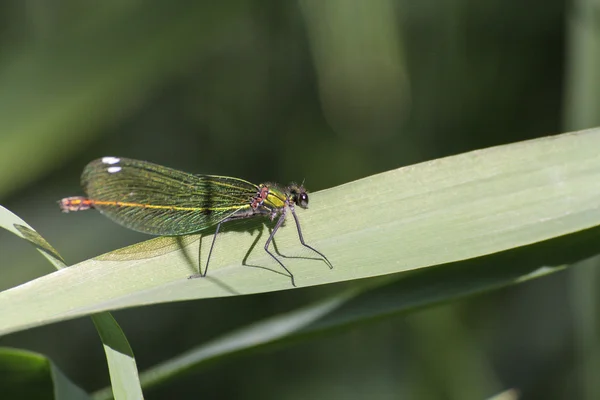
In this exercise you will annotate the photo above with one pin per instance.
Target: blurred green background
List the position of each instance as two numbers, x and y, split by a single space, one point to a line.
321 91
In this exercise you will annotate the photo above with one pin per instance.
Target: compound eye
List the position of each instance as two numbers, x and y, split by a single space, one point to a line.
303 200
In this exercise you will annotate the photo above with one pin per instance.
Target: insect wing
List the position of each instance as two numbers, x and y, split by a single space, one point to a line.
153 199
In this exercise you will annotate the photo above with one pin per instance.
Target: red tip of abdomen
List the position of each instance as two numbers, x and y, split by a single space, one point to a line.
75 203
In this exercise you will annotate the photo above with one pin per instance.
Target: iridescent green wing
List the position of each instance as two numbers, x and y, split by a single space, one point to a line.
162 201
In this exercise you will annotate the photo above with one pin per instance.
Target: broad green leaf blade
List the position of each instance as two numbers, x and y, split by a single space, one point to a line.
121 362
436 212
381 298
28 375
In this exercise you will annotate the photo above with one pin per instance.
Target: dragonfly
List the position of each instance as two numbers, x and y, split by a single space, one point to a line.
158 200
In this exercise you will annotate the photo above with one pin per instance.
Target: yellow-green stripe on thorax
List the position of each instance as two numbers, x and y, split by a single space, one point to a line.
276 198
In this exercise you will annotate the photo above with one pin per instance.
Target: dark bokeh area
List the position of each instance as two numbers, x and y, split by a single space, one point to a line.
325 92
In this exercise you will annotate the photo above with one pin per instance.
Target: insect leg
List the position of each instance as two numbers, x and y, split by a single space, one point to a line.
329 264
211 247
277 225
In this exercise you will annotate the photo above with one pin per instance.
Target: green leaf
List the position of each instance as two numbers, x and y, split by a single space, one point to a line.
28 375
16 225
382 298
432 213
121 362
